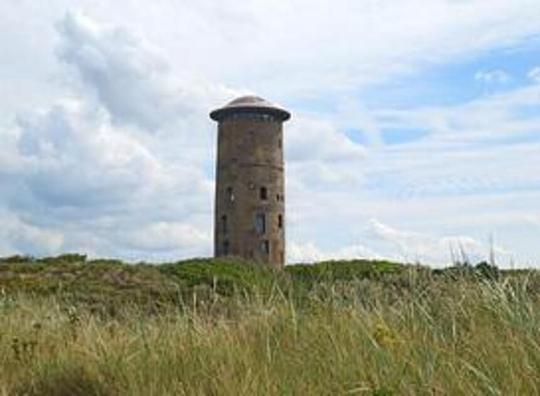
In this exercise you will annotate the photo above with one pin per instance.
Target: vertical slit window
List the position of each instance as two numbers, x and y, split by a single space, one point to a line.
280 221
260 223
226 248
230 194
265 246
263 193
224 225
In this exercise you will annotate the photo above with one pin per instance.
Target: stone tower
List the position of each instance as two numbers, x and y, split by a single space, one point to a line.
250 201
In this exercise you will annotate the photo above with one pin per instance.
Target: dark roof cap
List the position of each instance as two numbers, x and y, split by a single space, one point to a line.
250 104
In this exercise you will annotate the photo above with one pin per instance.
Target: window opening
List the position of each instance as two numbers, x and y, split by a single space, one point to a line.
226 248
224 226
230 194
263 194
265 246
260 223
280 221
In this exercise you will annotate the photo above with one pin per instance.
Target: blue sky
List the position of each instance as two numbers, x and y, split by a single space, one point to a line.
415 129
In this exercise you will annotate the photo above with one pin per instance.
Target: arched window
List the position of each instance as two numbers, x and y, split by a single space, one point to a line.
226 248
263 193
280 221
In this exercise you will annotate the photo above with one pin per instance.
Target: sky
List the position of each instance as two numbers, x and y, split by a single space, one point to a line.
415 133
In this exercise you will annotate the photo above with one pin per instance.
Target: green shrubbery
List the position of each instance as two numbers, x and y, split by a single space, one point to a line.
73 326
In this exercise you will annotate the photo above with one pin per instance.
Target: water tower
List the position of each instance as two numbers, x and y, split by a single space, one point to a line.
250 187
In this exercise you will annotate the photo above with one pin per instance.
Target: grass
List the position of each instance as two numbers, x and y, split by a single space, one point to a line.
69 326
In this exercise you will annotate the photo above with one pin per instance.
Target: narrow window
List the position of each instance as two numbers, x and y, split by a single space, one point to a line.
260 223
280 221
230 194
224 226
226 248
265 246
280 143
263 193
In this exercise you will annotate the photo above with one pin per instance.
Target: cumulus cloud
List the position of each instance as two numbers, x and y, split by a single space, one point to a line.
381 241
471 175
310 138
298 52
127 76
319 155
423 248
123 164
82 170
83 176
18 236
74 157
133 80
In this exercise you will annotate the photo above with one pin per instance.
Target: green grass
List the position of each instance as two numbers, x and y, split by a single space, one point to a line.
69 326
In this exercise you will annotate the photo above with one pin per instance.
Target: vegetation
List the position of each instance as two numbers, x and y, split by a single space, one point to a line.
73 326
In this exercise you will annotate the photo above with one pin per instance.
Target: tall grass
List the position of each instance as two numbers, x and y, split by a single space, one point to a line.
414 335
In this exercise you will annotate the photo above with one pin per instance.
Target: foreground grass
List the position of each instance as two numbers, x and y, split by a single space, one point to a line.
399 332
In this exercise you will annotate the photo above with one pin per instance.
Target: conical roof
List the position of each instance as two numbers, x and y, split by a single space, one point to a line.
254 104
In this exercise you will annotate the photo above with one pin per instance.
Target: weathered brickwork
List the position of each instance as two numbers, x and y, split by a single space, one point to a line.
250 198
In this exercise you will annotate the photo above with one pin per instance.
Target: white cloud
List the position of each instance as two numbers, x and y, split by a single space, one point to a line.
17 236
292 51
492 77
82 169
86 167
74 156
309 252
418 247
381 241
309 138
319 155
472 175
534 74
79 175
167 238
129 77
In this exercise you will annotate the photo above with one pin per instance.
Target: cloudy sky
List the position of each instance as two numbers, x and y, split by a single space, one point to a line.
415 130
